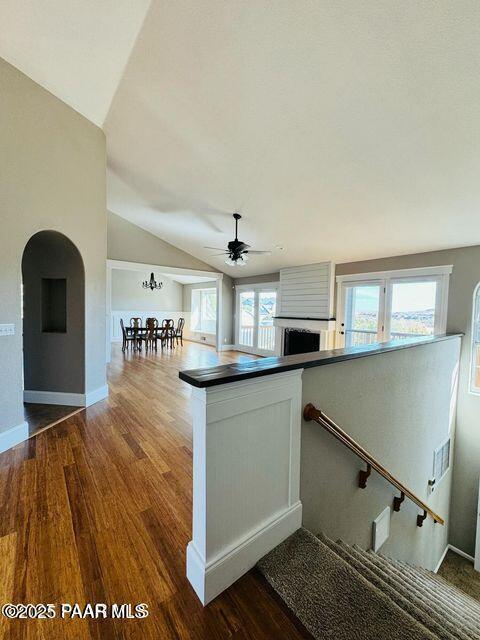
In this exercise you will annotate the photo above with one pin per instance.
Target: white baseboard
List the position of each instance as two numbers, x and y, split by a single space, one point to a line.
54 397
60 397
228 347
95 396
439 563
459 552
207 342
210 579
456 550
13 436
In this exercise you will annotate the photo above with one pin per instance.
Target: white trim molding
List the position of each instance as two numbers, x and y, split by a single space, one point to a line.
456 550
246 439
91 397
13 436
385 281
442 558
461 553
63 398
397 273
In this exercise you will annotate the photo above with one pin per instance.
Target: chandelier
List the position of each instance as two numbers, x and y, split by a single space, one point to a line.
152 284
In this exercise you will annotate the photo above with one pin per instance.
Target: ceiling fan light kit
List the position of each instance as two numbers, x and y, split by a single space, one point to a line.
237 251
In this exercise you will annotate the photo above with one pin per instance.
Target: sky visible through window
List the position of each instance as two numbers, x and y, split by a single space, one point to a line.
412 311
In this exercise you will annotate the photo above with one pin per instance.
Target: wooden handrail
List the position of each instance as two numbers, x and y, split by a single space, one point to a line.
312 413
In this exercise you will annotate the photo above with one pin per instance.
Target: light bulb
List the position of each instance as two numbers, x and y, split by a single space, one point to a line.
245 257
230 262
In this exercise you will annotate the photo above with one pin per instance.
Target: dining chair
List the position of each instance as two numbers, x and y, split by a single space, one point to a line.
167 331
126 337
178 332
136 325
151 333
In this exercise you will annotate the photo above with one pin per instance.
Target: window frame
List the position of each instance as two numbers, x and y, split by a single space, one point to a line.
472 388
440 275
200 291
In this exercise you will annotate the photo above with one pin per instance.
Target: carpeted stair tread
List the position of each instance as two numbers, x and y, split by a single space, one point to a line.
402 597
440 586
332 599
416 588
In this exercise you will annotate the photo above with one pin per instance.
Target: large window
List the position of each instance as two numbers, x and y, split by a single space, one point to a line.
475 365
394 305
204 310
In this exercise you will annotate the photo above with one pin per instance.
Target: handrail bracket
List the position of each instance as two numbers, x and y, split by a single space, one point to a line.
397 501
421 518
363 476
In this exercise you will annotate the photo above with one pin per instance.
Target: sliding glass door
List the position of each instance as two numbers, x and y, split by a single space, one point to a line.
255 310
391 308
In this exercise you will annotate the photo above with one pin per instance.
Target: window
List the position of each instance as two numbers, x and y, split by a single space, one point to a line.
392 305
204 311
475 363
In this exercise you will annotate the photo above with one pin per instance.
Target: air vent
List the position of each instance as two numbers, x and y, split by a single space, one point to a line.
441 463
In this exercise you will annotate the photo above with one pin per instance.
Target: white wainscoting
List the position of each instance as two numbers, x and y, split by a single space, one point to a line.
246 477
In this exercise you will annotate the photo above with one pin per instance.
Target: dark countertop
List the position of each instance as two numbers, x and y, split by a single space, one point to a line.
225 373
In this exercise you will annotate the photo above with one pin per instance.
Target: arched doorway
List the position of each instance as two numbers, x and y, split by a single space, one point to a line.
53 321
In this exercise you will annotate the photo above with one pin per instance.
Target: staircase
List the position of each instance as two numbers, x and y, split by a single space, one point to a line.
341 592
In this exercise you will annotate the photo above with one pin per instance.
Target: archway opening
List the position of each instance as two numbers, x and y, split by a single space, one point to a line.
53 300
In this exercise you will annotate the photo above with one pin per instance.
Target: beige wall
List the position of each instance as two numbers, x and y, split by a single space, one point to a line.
397 405
464 278
52 167
128 242
128 293
265 277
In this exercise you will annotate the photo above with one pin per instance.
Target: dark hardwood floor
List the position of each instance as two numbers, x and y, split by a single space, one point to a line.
98 509
42 416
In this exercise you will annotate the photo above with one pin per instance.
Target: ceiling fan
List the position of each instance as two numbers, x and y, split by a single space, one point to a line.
237 252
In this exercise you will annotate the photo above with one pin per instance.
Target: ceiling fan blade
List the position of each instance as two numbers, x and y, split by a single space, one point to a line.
215 255
265 253
215 248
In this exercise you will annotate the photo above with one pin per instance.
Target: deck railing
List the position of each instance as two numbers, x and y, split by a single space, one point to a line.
312 413
265 339
356 337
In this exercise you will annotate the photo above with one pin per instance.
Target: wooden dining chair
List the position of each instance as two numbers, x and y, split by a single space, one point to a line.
167 330
126 337
178 332
136 325
151 334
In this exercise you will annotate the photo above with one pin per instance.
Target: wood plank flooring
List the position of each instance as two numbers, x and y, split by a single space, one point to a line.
98 509
42 416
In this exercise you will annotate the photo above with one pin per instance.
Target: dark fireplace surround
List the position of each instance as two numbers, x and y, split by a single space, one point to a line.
300 341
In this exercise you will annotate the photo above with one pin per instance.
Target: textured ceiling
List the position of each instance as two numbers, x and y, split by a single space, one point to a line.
340 129
77 49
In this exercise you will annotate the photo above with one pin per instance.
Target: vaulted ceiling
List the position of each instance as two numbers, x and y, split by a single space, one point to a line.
340 129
